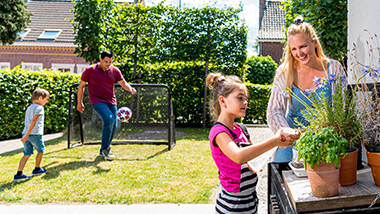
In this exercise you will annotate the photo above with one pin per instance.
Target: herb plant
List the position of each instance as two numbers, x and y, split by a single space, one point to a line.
324 145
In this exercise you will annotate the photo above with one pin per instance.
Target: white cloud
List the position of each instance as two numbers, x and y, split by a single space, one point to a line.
250 13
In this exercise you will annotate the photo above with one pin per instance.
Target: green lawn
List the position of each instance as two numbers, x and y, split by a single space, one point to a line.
140 173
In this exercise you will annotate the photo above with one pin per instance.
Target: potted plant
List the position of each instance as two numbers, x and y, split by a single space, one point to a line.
321 151
369 99
341 113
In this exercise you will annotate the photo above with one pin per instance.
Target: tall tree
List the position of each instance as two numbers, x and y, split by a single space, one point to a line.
90 23
14 17
328 17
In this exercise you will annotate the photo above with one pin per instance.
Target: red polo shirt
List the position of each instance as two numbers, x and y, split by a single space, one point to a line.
101 83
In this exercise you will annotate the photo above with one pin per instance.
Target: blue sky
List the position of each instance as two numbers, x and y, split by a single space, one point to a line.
250 13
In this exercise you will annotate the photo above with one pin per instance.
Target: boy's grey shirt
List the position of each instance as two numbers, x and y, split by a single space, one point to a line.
38 129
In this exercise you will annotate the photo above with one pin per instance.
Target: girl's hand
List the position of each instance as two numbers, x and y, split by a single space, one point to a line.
286 136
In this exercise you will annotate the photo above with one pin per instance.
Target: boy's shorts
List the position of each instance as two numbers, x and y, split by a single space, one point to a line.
33 141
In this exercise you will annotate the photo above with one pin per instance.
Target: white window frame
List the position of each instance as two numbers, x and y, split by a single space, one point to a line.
81 68
56 66
26 33
58 30
5 64
40 66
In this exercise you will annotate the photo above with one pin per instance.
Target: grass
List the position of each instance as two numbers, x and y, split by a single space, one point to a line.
140 173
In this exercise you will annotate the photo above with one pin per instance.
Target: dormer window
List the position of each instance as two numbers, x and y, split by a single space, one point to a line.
50 34
23 33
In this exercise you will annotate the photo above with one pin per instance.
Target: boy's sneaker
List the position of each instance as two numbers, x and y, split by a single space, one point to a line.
101 154
21 177
40 171
107 154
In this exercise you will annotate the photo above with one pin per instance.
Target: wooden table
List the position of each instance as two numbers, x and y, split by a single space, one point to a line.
363 192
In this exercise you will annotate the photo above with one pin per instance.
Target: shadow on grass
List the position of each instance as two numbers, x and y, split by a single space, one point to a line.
55 171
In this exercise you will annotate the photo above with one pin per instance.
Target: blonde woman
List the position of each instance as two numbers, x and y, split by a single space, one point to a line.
303 62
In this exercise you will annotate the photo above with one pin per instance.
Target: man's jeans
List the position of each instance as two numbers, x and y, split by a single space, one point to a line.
107 112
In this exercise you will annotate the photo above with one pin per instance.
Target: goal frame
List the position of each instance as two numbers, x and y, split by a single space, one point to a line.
170 125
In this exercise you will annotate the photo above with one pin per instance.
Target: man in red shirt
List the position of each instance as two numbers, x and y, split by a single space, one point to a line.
101 78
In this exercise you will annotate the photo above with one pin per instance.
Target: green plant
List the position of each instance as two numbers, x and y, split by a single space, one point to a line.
368 93
16 87
14 17
340 112
321 146
261 69
328 17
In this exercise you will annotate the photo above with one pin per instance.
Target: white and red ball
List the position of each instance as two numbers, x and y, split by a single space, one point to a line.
123 114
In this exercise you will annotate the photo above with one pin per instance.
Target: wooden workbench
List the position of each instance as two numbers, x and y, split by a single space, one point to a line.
363 192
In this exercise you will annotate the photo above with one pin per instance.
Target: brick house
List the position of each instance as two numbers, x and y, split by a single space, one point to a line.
48 40
271 36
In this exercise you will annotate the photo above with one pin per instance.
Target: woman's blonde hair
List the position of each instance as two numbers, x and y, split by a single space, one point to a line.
289 62
221 86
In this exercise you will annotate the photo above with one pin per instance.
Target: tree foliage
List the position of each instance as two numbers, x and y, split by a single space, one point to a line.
14 17
328 17
261 69
91 18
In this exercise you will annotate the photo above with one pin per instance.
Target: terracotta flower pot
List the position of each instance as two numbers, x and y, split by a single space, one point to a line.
374 161
324 179
348 168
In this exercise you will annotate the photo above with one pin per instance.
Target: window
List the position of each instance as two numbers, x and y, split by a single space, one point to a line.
49 34
63 67
81 68
23 33
5 65
32 66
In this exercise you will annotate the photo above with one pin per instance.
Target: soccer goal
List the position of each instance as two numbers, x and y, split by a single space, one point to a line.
152 120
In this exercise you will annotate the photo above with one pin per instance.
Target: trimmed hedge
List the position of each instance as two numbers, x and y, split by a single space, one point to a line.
16 87
261 69
257 103
186 80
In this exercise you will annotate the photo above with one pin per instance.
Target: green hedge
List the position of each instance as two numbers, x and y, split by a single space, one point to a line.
186 80
261 69
257 103
16 87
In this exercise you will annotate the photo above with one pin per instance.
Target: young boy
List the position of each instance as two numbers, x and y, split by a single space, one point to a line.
32 134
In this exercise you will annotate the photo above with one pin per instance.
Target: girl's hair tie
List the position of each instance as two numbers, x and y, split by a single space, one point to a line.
298 21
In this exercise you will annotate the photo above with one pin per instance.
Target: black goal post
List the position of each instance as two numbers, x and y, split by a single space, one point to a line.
152 120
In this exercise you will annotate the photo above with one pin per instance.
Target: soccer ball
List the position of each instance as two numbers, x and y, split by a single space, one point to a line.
123 114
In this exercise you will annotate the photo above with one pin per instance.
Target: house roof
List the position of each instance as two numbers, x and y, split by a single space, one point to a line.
50 15
271 20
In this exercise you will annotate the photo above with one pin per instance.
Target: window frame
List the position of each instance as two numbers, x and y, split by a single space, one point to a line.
40 65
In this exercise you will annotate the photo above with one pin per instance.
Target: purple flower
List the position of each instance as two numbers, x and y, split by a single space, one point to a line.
332 78
316 80
284 93
343 80
364 71
307 92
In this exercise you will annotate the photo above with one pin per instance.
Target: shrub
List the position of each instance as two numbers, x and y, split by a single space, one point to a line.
186 81
257 103
261 69
16 87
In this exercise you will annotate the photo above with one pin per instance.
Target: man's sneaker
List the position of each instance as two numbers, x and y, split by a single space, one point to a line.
101 154
21 177
107 154
40 171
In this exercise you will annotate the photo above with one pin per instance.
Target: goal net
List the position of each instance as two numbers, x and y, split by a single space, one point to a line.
152 120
